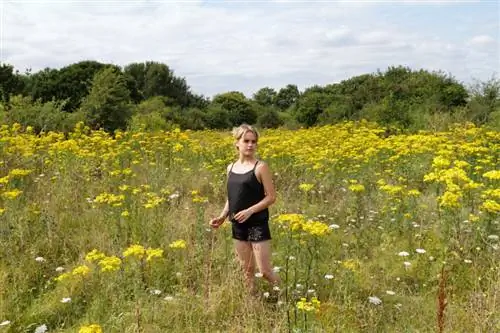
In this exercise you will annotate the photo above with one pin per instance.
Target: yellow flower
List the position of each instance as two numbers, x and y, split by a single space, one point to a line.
153 253
62 277
178 244
82 270
351 264
491 206
93 328
94 255
19 172
110 264
308 306
357 188
494 174
315 228
306 187
10 195
135 250
450 199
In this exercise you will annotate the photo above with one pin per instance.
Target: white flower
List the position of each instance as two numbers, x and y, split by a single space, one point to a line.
276 269
5 323
310 291
259 275
467 261
345 245
374 300
390 292
431 258
65 299
291 258
266 294
407 264
493 237
420 251
173 196
59 269
178 274
298 286
155 292
276 288
39 259
41 329
168 298
328 276
333 226
403 254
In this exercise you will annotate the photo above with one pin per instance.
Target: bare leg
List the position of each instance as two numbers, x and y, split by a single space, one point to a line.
262 253
247 262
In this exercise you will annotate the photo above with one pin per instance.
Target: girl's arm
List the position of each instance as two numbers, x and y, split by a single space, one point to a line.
225 211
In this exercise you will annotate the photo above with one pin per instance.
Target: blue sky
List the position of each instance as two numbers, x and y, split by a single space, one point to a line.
246 45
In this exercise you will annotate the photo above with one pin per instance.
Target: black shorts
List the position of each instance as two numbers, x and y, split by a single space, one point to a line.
252 232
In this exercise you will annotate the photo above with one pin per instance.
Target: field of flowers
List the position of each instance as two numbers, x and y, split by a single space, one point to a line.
371 232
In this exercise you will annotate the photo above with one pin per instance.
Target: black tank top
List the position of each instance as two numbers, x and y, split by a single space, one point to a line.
244 190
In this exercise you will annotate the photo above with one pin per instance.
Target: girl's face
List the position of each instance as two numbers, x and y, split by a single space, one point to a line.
247 144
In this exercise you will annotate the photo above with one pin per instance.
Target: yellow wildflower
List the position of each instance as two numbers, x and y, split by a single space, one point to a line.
81 270
93 328
135 250
94 255
357 188
305 187
494 175
491 206
10 195
178 244
153 253
110 264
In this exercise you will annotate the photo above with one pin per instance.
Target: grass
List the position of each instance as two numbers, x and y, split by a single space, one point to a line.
370 234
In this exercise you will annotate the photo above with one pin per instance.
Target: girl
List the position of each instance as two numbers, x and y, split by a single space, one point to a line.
250 192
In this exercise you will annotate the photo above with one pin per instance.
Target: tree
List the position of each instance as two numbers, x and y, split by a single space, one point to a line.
70 83
265 96
10 82
239 108
269 118
157 79
108 103
311 105
287 96
485 100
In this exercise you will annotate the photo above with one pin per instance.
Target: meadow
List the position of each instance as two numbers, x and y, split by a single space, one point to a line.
372 232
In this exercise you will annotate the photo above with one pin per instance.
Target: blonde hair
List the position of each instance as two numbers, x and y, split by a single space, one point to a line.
239 131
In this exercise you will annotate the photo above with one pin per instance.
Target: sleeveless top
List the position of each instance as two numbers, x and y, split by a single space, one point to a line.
244 190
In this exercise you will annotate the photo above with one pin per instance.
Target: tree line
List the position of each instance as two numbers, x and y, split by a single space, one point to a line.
149 96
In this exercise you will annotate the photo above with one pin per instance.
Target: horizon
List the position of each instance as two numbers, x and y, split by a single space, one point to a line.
259 43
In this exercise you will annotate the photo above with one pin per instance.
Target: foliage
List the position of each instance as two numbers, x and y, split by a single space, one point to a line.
105 232
108 103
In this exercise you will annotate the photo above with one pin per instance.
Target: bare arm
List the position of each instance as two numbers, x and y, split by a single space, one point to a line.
225 211
265 177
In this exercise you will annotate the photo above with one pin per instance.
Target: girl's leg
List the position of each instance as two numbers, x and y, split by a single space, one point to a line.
262 253
247 262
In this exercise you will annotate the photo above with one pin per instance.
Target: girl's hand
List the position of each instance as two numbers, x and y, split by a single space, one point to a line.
243 215
216 222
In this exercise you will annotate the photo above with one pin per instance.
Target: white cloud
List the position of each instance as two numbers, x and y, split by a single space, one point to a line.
481 40
236 46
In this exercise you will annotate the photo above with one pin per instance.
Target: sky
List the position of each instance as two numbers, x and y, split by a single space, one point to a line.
220 46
